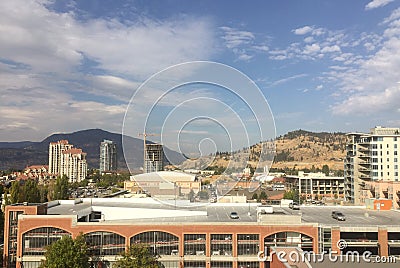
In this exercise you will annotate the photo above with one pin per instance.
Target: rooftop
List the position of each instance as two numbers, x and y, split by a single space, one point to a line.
147 210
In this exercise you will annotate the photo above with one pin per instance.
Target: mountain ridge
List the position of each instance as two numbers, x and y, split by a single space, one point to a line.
18 155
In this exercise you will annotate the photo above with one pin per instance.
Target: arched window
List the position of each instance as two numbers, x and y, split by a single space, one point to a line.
36 240
289 239
159 243
104 243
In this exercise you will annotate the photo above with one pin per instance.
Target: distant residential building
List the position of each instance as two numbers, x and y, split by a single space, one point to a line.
64 159
316 185
55 155
379 190
153 161
108 156
74 165
39 173
370 157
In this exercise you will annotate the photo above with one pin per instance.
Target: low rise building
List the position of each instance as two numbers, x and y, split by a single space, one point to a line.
316 185
195 236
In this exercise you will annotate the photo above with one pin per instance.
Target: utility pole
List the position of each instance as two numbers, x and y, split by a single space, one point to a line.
144 134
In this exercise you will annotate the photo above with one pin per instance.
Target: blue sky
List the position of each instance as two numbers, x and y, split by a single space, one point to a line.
321 65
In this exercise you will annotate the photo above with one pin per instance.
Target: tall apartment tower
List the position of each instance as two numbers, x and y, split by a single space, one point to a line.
55 155
74 165
153 158
370 157
64 159
108 156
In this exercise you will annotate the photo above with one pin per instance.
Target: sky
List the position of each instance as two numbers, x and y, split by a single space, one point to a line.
320 65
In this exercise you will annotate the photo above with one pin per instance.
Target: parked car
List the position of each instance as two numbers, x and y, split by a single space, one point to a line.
338 216
294 205
234 215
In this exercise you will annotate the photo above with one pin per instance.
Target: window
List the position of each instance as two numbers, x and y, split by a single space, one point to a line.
380 146
104 243
374 146
247 244
35 241
194 244
221 244
395 160
395 138
374 160
387 159
396 173
160 243
395 152
375 166
395 145
374 153
387 152
395 166
380 138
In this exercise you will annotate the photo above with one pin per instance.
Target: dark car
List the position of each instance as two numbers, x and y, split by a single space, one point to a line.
338 216
234 215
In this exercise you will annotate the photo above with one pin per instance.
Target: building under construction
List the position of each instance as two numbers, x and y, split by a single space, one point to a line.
153 158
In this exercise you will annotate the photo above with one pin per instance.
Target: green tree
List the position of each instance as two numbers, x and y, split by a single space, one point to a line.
15 192
67 253
325 169
137 256
191 195
255 196
61 188
292 195
263 196
30 192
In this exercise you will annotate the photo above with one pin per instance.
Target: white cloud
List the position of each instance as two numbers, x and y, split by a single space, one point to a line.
309 39
377 3
303 30
370 86
42 54
236 38
329 49
311 49
369 103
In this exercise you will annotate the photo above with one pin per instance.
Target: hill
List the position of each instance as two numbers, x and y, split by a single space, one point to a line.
18 155
298 149
304 149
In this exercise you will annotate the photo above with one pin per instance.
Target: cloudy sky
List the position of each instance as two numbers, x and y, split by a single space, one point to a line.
321 65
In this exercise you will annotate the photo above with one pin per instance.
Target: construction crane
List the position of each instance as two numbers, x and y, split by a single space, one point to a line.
144 134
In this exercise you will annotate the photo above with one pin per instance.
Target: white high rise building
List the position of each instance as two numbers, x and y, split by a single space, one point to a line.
66 160
73 165
55 155
370 157
108 156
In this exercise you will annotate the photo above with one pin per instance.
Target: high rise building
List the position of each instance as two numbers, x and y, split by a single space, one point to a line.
55 155
64 159
108 156
370 157
73 165
153 161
